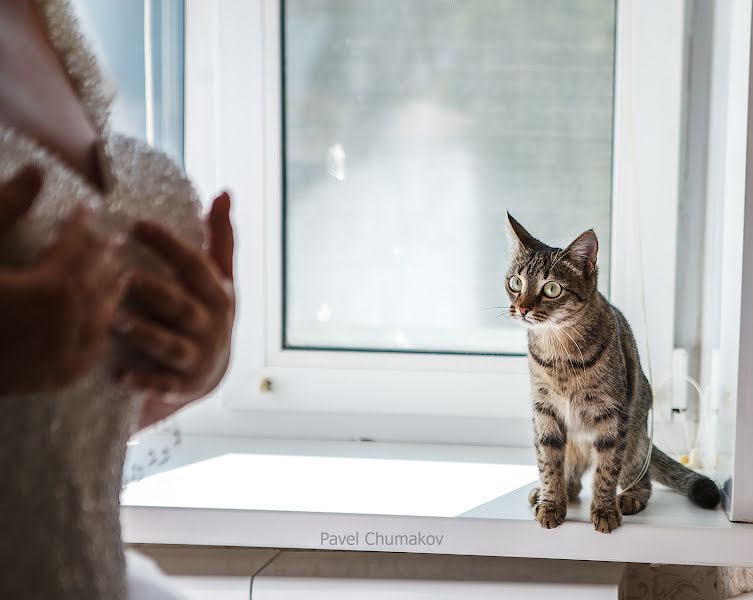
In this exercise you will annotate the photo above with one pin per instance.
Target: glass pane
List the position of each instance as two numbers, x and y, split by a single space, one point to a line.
149 101
409 131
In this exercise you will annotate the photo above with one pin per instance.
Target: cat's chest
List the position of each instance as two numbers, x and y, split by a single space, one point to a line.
572 413
569 401
559 381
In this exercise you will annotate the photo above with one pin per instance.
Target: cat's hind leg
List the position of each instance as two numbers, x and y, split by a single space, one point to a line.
636 498
577 461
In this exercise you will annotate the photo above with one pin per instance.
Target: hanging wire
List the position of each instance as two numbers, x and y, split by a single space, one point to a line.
638 238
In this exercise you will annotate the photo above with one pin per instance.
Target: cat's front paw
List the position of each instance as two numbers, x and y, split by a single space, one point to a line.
533 496
606 518
549 514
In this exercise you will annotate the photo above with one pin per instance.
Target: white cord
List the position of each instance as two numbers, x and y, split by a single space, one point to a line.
697 387
647 462
637 232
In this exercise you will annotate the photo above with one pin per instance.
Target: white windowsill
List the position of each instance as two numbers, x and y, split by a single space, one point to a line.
280 494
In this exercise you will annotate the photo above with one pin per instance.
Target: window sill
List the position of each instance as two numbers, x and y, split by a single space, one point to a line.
277 494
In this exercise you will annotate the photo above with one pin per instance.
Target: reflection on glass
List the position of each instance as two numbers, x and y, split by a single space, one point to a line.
410 130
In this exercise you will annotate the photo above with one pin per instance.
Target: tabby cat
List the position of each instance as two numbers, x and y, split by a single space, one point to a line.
590 397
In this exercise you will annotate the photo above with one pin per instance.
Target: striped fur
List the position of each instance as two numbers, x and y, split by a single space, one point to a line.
590 397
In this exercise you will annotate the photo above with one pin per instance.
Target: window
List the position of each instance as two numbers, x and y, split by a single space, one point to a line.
141 46
373 154
407 135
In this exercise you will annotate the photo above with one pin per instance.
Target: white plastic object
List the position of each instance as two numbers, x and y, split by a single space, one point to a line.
679 383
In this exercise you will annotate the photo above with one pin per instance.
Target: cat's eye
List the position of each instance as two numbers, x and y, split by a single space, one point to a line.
515 283
552 289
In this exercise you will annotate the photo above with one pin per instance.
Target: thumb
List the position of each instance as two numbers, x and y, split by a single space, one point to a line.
17 194
221 242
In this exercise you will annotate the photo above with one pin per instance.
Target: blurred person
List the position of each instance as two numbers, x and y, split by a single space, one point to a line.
117 309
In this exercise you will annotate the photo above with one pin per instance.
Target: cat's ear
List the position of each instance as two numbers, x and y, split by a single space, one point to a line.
584 249
518 237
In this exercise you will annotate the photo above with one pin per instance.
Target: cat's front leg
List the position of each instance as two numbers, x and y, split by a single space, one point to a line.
610 438
550 439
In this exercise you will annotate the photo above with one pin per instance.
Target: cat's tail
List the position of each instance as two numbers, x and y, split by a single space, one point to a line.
699 488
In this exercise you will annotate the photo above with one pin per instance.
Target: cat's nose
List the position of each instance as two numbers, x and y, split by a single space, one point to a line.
523 310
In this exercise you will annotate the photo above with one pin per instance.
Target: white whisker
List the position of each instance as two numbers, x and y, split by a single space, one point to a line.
572 366
582 360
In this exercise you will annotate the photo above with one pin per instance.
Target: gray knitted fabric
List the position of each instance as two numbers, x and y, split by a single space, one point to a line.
61 454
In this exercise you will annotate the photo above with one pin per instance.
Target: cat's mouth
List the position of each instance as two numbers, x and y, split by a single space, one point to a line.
531 319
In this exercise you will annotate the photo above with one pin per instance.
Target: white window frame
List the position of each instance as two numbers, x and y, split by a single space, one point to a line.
233 141
727 350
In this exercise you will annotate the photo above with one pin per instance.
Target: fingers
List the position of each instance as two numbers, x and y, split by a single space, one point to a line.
85 273
93 298
93 264
168 386
168 349
81 248
75 234
17 195
221 242
167 302
91 315
107 286
191 266
183 326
